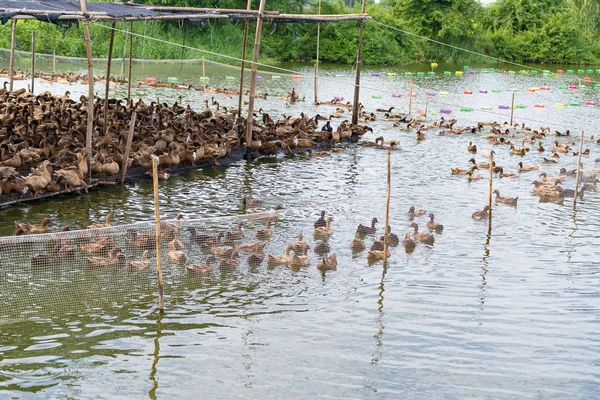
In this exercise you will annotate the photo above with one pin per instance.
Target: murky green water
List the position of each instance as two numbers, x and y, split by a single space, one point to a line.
511 314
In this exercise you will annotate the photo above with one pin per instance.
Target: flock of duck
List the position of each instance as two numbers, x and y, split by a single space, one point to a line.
43 138
100 249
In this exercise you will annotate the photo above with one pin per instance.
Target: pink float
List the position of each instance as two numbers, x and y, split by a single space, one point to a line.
150 81
572 87
590 103
539 106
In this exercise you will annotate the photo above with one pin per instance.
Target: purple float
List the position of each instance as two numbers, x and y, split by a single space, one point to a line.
483 91
375 74
396 95
431 93
338 98
502 107
445 111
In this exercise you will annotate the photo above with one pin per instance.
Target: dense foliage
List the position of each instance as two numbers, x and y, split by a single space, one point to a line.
552 31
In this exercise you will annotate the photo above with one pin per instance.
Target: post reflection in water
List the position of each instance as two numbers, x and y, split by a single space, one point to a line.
156 357
484 271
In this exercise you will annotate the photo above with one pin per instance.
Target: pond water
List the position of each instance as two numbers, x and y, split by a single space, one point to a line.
507 313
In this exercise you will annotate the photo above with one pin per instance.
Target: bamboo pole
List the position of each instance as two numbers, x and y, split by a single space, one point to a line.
11 67
203 73
32 61
122 74
358 61
578 176
512 109
90 105
243 66
491 189
54 62
128 148
108 67
253 73
386 232
161 304
410 96
317 60
130 61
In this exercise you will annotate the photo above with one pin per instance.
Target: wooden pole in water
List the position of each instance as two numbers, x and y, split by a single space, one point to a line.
32 61
578 177
203 74
491 189
317 60
108 67
410 96
11 68
243 66
386 232
161 304
90 105
128 147
54 62
130 61
512 109
257 37
355 109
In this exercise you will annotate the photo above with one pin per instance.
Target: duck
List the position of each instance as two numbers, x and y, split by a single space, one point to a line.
506 175
434 226
60 253
393 239
424 237
462 171
412 212
100 245
235 234
367 230
265 233
322 247
298 261
326 230
586 152
115 257
104 225
511 201
255 259
357 244
540 148
551 160
71 179
377 255
300 246
472 148
222 251
408 243
147 241
202 269
174 255
523 168
517 152
30 229
471 176
274 260
204 241
254 247
552 179
377 245
250 202
321 221
483 214
328 263
139 265
230 263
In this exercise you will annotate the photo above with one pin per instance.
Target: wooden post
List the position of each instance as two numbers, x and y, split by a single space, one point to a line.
578 177
317 60
128 147
11 68
243 66
512 109
386 232
203 73
259 22
122 74
32 61
130 61
90 105
54 62
491 189
410 96
161 304
355 109
108 66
